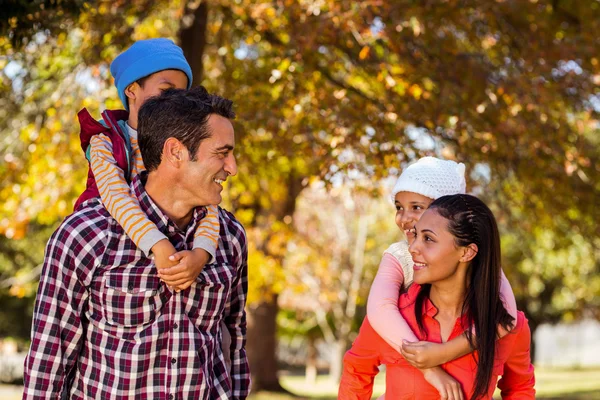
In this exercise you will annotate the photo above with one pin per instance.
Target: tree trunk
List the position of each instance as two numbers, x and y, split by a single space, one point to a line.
192 37
311 362
261 345
337 358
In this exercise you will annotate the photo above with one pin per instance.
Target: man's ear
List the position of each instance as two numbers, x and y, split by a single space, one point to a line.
469 252
174 152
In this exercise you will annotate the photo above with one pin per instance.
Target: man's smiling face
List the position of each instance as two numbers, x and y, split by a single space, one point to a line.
213 163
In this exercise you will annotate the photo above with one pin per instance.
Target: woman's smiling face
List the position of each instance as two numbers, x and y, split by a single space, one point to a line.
409 208
434 251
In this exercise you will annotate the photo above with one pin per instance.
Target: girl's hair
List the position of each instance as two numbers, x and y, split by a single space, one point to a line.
471 221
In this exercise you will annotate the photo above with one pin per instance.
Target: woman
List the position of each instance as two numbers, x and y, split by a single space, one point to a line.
419 184
456 254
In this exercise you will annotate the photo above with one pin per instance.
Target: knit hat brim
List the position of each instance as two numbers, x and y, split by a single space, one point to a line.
150 65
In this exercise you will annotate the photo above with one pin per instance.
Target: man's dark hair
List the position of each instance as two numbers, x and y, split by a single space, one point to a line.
181 114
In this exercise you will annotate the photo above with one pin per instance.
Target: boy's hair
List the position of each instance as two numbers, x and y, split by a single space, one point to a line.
180 114
144 58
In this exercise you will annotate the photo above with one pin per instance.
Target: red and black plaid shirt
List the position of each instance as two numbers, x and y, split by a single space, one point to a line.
106 327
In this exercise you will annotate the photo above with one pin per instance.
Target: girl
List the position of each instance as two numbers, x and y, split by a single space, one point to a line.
456 291
419 184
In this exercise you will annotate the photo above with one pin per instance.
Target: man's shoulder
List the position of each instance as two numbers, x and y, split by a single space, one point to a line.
90 217
232 225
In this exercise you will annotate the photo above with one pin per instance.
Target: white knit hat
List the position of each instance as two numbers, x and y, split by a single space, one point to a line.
432 177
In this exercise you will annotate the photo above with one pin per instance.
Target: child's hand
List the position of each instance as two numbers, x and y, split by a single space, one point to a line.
447 386
190 264
162 250
423 354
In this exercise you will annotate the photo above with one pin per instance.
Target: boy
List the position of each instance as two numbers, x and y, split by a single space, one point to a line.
144 70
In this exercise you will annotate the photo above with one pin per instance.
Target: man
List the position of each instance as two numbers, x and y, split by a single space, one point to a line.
105 326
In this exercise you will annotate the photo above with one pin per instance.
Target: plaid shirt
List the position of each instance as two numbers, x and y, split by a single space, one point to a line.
106 327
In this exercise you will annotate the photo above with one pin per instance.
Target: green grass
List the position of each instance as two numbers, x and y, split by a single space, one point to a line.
551 384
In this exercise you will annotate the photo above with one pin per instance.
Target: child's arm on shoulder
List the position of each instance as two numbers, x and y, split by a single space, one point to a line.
382 305
387 321
510 303
122 204
191 263
427 354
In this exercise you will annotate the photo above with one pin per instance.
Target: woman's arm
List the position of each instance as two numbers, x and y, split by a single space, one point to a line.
518 379
427 354
361 364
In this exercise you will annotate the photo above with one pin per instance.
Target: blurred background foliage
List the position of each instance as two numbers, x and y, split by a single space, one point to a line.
332 97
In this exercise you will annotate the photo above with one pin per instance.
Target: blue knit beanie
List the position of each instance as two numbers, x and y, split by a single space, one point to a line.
145 57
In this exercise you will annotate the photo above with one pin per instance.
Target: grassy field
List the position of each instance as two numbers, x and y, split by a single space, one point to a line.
551 384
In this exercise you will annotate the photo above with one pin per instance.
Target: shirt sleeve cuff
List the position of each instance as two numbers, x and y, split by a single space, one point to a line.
204 243
149 240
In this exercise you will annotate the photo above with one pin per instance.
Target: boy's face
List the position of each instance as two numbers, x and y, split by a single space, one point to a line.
154 85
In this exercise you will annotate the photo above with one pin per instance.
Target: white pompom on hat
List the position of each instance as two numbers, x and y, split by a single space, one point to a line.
432 177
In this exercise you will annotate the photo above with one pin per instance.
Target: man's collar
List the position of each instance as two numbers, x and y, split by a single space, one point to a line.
154 213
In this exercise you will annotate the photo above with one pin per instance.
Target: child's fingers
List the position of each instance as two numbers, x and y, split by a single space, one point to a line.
180 255
177 269
184 285
181 284
409 347
171 280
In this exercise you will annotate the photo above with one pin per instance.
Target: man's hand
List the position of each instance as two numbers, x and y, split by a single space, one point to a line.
447 386
189 265
424 354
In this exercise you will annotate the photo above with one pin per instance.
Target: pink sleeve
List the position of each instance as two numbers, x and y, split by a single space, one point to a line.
508 298
382 306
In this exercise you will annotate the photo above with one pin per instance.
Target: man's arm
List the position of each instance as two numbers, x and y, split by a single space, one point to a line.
235 319
56 333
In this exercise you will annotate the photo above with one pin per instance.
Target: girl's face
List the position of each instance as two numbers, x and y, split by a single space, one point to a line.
409 208
435 254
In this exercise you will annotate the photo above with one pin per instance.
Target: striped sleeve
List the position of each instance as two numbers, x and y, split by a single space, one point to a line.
118 198
207 233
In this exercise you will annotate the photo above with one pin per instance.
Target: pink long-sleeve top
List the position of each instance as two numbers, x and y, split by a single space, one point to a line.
394 275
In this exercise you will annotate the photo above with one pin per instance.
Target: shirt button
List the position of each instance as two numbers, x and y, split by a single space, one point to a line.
175 326
173 361
130 286
171 397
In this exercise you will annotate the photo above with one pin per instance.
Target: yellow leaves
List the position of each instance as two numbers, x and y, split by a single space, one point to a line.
103 9
416 26
415 91
364 52
516 109
17 291
428 84
488 42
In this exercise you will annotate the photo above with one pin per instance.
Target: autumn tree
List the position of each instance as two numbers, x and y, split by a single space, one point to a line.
325 89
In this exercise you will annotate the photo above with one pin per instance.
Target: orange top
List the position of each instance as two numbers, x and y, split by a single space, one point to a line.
403 381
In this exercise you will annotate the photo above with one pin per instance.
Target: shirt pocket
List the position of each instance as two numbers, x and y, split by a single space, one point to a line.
213 288
131 299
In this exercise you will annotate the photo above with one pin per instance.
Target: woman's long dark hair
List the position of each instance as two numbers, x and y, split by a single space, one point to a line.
471 221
